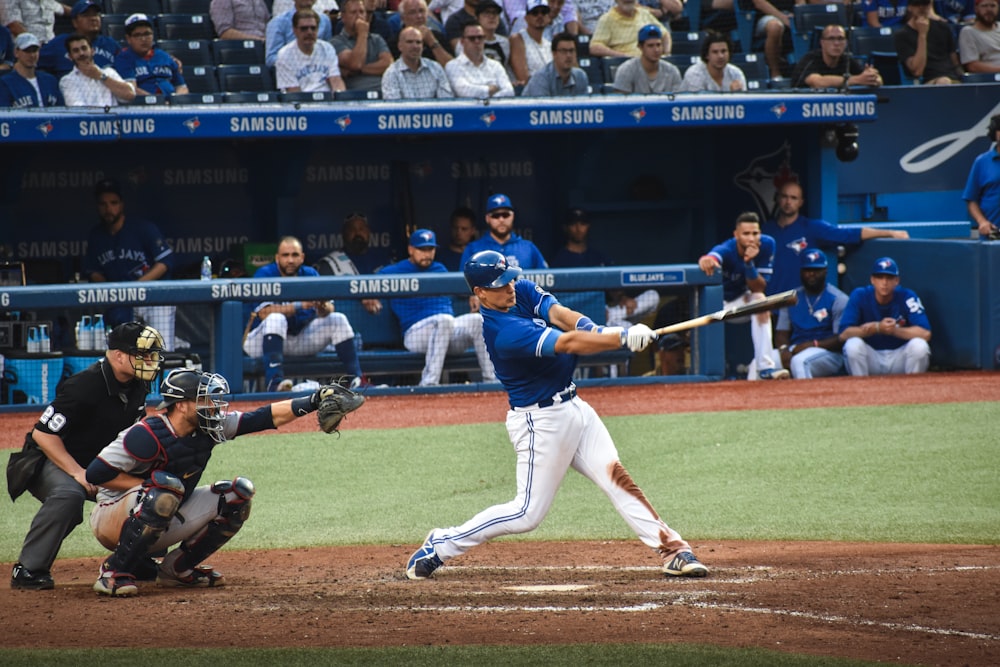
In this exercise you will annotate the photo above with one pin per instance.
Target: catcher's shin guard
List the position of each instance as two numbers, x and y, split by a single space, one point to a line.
234 507
161 496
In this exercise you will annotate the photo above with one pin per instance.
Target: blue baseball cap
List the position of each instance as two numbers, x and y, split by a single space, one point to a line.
885 266
82 6
813 259
498 201
651 31
423 238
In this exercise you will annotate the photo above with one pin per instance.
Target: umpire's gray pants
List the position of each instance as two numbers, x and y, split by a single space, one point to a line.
62 510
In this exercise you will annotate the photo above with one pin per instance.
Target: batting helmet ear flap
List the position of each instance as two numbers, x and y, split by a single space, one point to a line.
991 131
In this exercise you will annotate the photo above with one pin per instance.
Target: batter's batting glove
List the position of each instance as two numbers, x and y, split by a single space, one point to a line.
638 337
333 403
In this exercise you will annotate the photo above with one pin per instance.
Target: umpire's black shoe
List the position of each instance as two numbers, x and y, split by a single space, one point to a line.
24 579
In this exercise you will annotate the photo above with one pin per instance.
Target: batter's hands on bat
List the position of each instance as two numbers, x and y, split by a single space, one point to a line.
638 337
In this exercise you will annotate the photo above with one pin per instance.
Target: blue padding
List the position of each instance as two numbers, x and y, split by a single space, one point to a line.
942 229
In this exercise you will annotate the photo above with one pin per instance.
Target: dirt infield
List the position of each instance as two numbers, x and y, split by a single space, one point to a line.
911 603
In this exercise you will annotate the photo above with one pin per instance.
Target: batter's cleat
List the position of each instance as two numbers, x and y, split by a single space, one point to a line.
202 576
24 579
685 564
424 561
115 584
775 374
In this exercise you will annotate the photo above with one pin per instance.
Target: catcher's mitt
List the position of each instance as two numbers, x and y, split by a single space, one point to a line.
333 402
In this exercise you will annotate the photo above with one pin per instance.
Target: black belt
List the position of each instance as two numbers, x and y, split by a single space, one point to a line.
561 397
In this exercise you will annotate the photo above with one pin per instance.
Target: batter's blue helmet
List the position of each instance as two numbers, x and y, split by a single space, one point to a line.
813 259
489 269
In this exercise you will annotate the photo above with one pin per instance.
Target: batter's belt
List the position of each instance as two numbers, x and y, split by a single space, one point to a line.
566 394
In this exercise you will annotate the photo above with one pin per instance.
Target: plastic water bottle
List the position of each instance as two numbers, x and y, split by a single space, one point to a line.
44 342
99 334
206 268
34 345
84 334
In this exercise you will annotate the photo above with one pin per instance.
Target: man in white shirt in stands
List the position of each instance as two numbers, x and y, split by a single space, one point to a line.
308 64
88 85
413 76
472 74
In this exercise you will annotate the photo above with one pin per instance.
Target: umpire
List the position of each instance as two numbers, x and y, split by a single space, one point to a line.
89 410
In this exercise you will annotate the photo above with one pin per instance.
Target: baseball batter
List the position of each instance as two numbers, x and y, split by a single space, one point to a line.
534 342
884 327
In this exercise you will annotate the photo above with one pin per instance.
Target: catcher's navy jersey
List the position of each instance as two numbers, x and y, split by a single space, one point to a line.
734 280
905 307
522 347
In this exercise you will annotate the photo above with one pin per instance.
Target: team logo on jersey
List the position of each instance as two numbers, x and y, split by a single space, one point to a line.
192 124
638 114
344 122
779 109
821 314
488 118
45 128
798 245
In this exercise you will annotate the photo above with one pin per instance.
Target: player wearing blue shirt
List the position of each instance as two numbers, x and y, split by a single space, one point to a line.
807 333
982 189
152 70
500 220
746 264
794 234
534 342
428 322
24 86
884 327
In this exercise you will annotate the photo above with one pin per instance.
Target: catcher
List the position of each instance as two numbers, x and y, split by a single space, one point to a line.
149 498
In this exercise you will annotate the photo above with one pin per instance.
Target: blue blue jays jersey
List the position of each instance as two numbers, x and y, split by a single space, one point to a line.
156 73
53 57
518 251
791 241
413 309
129 254
905 307
734 280
813 317
18 93
302 317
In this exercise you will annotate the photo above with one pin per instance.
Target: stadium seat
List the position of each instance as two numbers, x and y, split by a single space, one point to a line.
189 51
582 46
806 18
756 85
867 39
687 43
245 78
752 64
187 6
201 79
594 69
148 100
299 97
354 95
610 65
982 77
238 52
682 62
184 26
113 25
196 98
261 97
148 7
888 65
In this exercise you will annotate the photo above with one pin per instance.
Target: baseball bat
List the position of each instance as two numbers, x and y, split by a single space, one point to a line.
772 302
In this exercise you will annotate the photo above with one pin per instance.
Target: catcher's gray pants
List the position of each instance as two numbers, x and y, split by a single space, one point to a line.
62 500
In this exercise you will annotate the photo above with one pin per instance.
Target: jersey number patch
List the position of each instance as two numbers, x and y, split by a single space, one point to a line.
52 419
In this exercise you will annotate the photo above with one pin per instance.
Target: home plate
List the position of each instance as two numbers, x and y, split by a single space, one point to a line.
548 588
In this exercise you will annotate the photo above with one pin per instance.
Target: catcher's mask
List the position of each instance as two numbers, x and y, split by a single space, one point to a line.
489 269
207 390
143 344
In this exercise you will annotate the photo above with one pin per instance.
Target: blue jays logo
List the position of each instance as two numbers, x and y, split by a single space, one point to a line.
638 114
192 124
45 128
488 118
344 122
821 314
426 237
798 245
764 176
779 109
884 264
499 200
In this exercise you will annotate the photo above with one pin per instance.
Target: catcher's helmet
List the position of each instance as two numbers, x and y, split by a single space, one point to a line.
813 259
143 344
489 269
207 390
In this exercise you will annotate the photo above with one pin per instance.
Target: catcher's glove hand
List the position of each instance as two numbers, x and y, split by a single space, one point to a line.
333 402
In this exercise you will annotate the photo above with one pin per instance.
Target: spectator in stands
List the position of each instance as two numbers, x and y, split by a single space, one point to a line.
530 51
37 17
357 255
562 17
589 12
807 333
428 323
152 70
442 8
500 222
979 43
926 47
377 24
474 75
413 14
308 64
300 328
123 249
24 86
794 234
982 189
883 13
6 50
713 73
648 72
280 31
885 328
664 11
746 263
615 33
496 46
462 228
561 77
86 19
328 8
458 20
240 19
775 17
363 56
830 66
89 85
414 77
956 12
